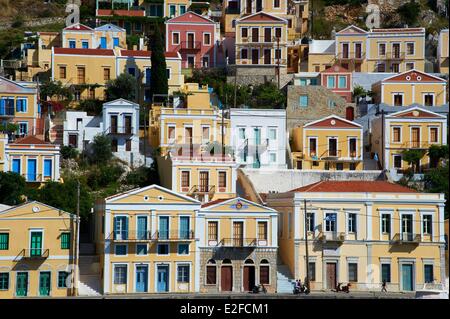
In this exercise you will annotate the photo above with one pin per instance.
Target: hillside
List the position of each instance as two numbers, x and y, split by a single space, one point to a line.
30 9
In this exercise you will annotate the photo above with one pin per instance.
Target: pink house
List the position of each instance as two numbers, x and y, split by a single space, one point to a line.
338 80
196 38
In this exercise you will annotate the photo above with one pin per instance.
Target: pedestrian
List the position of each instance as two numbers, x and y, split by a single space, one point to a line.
383 286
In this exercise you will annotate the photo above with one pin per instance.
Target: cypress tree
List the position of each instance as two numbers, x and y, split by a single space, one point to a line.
158 82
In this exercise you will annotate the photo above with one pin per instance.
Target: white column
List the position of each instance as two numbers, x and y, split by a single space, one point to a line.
296 220
200 242
107 267
369 221
441 223
152 222
274 222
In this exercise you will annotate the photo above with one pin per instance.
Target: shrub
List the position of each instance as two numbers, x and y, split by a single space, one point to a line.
69 152
103 176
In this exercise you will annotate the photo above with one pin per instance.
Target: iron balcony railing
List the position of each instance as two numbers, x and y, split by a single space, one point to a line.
35 253
411 238
173 235
190 45
130 235
261 40
146 235
238 242
120 130
351 55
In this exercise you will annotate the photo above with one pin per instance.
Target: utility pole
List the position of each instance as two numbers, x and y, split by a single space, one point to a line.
278 61
382 140
77 241
306 247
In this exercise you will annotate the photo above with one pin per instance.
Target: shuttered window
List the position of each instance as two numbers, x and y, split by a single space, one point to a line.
185 179
211 275
4 241
212 231
396 135
65 241
222 179
62 277
353 272
264 275
433 135
262 230
4 281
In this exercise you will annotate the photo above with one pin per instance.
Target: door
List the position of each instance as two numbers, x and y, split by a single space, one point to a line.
188 135
349 113
22 284
163 278
238 234
267 35
36 244
249 278
142 227
31 170
407 277
190 37
163 227
255 35
204 182
120 227
44 283
396 50
358 50
226 278
415 138
128 124
113 124
345 50
331 275
332 147
255 56
190 61
141 278
48 168
16 165
103 42
184 227
407 225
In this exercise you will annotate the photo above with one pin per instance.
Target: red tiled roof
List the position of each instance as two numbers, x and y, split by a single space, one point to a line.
79 27
214 202
398 30
338 123
145 53
418 114
261 16
354 187
413 76
84 51
30 139
123 13
336 69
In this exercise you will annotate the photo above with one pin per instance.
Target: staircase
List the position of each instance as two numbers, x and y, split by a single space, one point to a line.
285 281
89 283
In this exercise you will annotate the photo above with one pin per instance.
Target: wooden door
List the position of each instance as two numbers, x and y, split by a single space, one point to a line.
267 35
204 182
255 35
255 56
331 275
238 234
190 40
415 138
113 123
345 50
349 113
249 278
226 278
128 124
358 50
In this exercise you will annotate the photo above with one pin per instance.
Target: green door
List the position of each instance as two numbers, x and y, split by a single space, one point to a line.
36 244
407 277
44 283
21 284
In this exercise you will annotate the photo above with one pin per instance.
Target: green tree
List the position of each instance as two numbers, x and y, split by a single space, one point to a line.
436 181
158 82
101 151
143 176
50 89
124 86
12 188
409 12
68 152
412 157
268 95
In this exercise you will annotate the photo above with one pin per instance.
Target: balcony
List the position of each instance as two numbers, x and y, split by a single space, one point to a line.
34 253
411 144
350 56
332 237
238 242
331 155
120 130
406 238
130 236
395 55
173 235
260 41
190 46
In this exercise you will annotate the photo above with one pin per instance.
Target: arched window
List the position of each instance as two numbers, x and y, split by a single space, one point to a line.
249 261
226 261
211 272
264 272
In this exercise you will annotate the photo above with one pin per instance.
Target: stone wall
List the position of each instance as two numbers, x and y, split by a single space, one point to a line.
237 256
248 75
284 180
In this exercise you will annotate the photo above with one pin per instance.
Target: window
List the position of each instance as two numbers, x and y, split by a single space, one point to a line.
312 271
114 145
205 134
277 54
242 133
273 158
207 39
331 104
310 226
4 241
244 32
185 178
128 146
396 134
244 54
381 67
398 99
433 135
62 279
103 43
352 223
428 99
171 133
264 273
303 100
272 133
352 166
120 250
330 222
132 71
4 281
427 224
21 105
410 48
175 38
115 42
276 3
339 166
141 249
398 161
106 74
428 273
120 275
278 33
381 49
312 146
211 273
163 249
168 74
62 72
386 223
81 71
342 84
331 82
172 10
409 66
182 9
183 249
72 44
212 230
85 44
395 67
65 241
262 230
386 272
183 273
353 272
222 179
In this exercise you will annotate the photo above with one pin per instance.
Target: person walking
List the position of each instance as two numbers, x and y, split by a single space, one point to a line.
383 286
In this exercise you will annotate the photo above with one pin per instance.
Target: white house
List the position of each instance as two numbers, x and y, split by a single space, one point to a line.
119 121
258 137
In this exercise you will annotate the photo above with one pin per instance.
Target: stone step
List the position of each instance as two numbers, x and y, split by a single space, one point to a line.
89 285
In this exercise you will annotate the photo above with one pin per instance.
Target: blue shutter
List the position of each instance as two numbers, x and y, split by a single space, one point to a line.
31 170
47 168
72 44
164 227
116 42
16 166
18 105
184 227
85 45
2 107
142 227
103 42
25 105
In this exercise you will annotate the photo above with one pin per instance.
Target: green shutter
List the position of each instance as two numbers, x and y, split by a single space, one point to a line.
4 281
62 277
65 241
4 241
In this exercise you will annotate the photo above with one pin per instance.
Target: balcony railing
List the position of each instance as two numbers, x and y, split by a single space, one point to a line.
331 237
7 111
394 55
130 235
406 238
238 242
190 45
351 56
412 144
35 253
146 235
331 154
261 40
120 130
173 235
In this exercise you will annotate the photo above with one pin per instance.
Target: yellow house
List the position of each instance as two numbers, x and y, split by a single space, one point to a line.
321 55
411 129
19 105
376 50
175 8
238 246
37 161
362 233
37 249
411 87
442 52
39 59
147 243
107 36
261 39
331 143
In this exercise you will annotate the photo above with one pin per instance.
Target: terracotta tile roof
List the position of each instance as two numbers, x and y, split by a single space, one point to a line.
30 139
261 16
398 30
78 27
84 51
413 76
123 13
327 123
354 187
214 202
144 53
336 69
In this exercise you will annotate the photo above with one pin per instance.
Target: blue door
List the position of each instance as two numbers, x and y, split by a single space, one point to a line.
407 277
31 170
184 227
16 165
163 278
141 278
120 227
163 227
142 227
48 168
103 42
115 42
